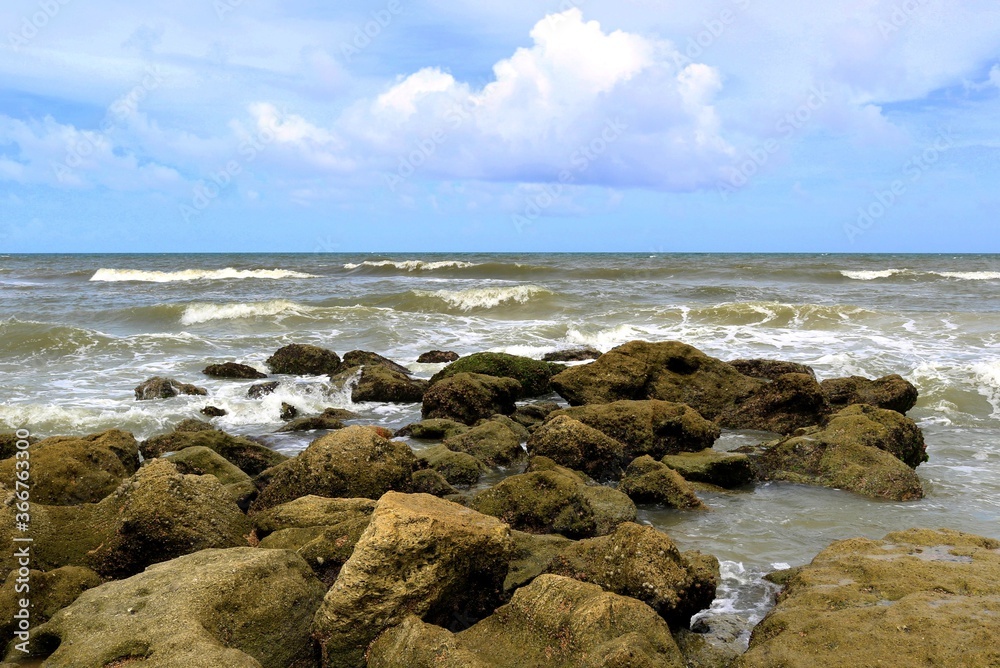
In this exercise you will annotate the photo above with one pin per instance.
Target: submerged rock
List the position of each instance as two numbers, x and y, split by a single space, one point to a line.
492 442
437 357
470 397
722 469
458 468
573 444
915 598
532 375
249 456
239 608
572 355
770 369
304 360
214 411
233 370
649 481
165 388
261 390
890 392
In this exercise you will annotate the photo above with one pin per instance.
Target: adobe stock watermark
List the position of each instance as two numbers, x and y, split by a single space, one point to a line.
912 171
22 543
365 34
206 191
579 162
33 24
117 114
787 126
901 15
224 7
714 28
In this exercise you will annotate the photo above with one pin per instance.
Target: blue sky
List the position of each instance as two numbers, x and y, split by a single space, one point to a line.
562 125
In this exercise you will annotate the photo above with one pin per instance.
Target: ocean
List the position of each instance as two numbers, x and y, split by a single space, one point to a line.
79 332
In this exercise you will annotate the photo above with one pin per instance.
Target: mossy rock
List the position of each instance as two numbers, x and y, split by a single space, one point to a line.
770 369
234 371
8 444
383 384
193 424
50 592
533 415
890 392
722 469
165 388
533 375
531 555
429 481
311 511
304 360
359 358
789 402
577 446
330 419
651 482
434 430
493 443
250 456
470 397
458 468
203 461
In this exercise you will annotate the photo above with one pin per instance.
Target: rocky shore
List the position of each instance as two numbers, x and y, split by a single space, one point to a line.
500 530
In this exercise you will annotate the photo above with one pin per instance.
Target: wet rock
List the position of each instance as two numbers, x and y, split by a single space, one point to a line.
328 419
704 651
519 429
437 357
49 593
288 412
311 511
67 471
214 411
532 415
654 428
555 621
572 355
915 598
433 430
200 460
164 388
304 360
770 369
890 392
532 375
8 444
493 443
239 608
192 424
353 462
429 481
470 397
419 555
233 370
249 456
358 358
387 385
669 371
261 390
649 481
791 401
722 469
532 554
644 563
573 444
551 499
458 468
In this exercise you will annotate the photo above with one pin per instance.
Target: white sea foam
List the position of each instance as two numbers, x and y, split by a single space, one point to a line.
988 375
474 298
198 313
871 275
412 265
971 275
137 275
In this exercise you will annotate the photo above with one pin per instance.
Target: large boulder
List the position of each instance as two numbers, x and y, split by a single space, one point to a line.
863 449
239 608
165 388
203 461
48 594
458 468
66 471
669 371
915 598
555 621
233 370
722 469
649 481
470 397
249 456
643 563
654 428
531 556
890 392
493 443
770 369
783 405
304 360
551 499
419 555
354 462
532 375
573 444
385 384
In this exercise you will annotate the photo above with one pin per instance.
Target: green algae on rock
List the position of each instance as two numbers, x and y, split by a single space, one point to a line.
491 442
249 456
575 445
649 481
722 469
470 397
458 468
532 375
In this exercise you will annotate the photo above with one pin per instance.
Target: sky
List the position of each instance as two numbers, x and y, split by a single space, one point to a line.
523 125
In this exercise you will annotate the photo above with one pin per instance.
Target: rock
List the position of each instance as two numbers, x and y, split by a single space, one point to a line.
722 469
531 556
311 511
704 651
261 390
556 622
791 401
915 598
669 371
353 462
862 449
532 375
233 370
199 460
214 411
654 428
387 385
643 563
437 357
552 499
288 412
649 481
470 397
429 481
435 429
519 429
532 415
328 419
770 369
66 471
48 594
891 392
304 360
250 456
357 358
573 444
458 468
164 388
192 424
8 444
420 555
572 355
239 608
493 443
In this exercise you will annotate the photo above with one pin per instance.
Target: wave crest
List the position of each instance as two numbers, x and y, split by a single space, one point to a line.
486 298
871 275
412 265
138 275
198 313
